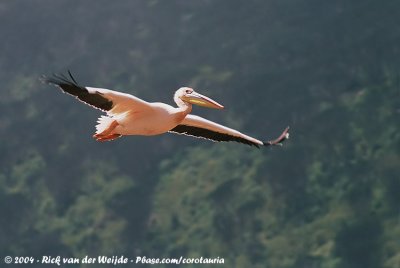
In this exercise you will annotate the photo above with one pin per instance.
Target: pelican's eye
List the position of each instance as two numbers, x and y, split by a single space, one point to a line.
188 91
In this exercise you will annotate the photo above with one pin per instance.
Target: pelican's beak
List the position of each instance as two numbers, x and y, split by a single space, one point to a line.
201 100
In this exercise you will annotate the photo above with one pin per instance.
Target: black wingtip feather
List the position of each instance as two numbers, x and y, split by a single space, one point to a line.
70 86
59 80
73 79
278 141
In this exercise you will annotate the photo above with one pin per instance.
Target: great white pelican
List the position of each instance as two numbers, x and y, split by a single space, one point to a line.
129 115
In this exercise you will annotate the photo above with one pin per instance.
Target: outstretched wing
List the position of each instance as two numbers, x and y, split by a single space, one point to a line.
199 127
110 101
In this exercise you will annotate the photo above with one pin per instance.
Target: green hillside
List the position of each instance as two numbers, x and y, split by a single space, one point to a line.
328 198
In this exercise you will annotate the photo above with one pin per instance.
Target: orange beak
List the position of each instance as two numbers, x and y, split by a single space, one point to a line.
201 100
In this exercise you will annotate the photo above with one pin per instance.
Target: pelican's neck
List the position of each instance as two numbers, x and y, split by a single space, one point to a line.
183 107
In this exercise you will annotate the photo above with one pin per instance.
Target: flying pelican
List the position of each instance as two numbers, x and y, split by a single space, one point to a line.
129 115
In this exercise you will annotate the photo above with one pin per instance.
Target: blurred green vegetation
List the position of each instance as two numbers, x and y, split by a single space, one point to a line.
328 198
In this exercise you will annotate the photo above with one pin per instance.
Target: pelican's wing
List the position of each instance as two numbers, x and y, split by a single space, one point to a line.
109 101
199 127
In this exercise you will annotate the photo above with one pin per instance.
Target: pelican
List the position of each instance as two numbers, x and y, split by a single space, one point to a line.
129 115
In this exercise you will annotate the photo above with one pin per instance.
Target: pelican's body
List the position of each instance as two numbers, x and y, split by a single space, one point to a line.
159 119
154 119
129 115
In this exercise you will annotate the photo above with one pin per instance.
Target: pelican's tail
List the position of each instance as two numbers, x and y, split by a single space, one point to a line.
105 128
104 123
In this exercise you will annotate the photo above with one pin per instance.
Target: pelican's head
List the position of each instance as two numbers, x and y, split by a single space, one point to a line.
188 95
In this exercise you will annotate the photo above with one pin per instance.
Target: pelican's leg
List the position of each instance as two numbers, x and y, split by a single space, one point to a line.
107 131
